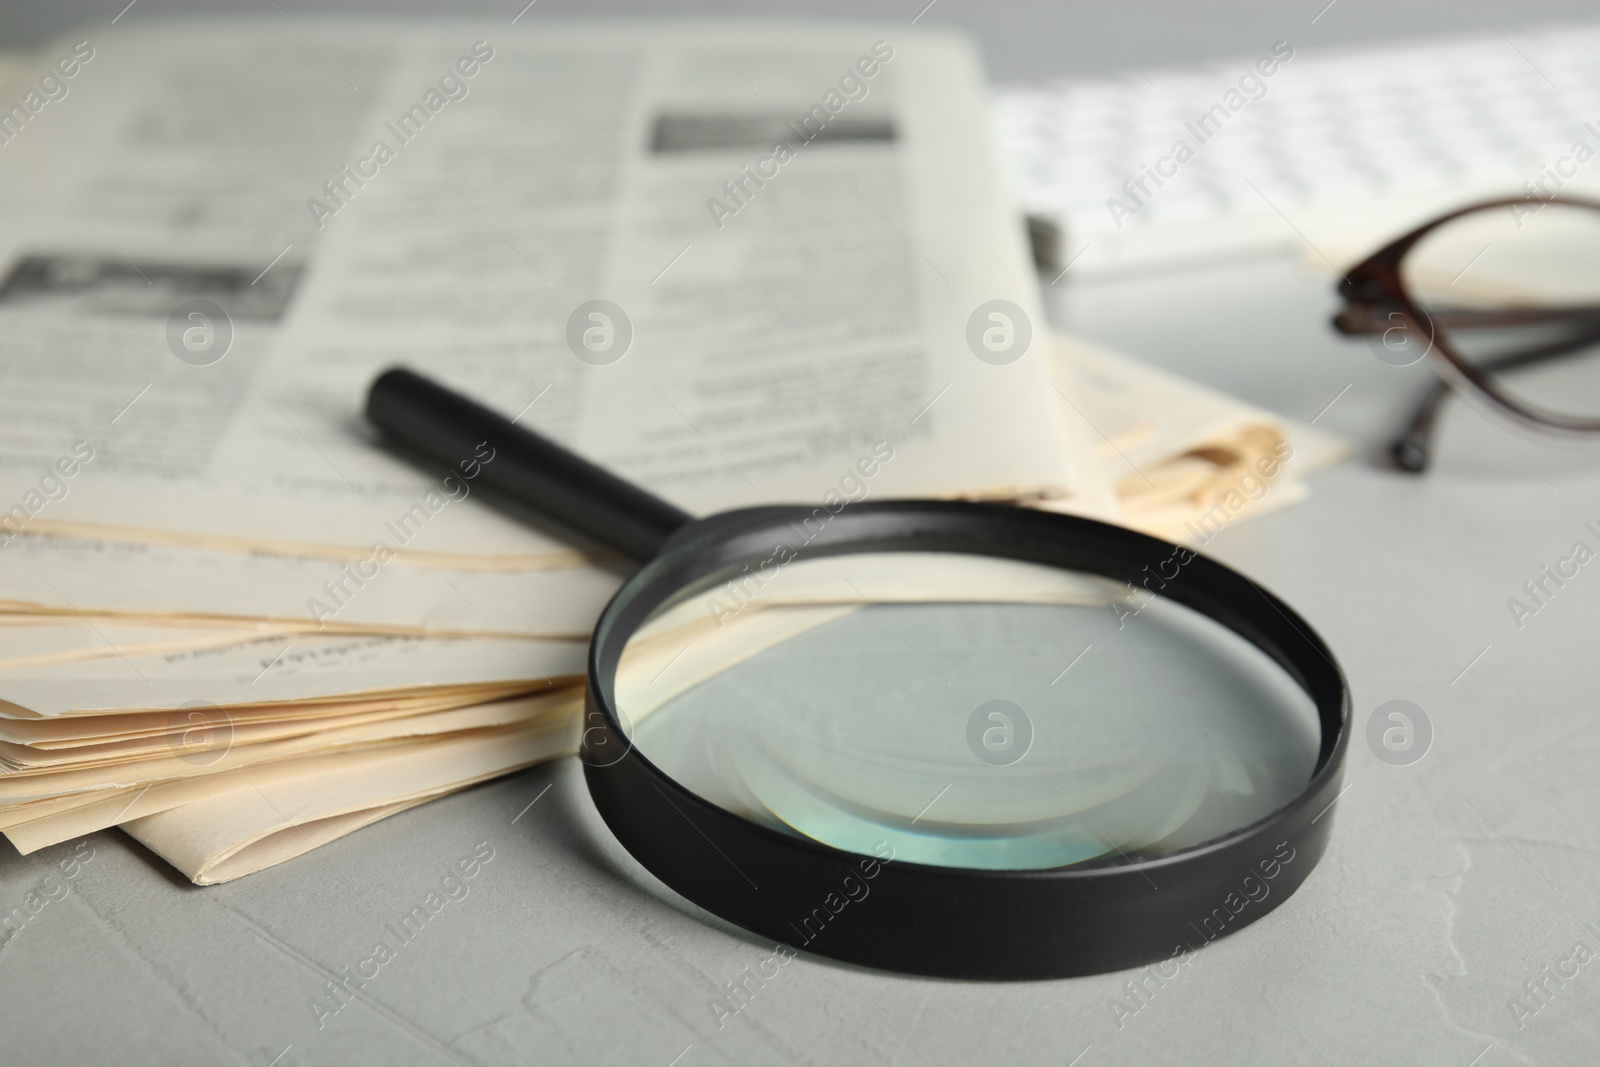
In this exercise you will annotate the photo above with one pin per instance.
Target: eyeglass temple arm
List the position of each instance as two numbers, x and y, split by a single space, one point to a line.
446 427
1412 448
1361 318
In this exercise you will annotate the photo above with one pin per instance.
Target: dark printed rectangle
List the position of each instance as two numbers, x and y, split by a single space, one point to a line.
712 132
111 286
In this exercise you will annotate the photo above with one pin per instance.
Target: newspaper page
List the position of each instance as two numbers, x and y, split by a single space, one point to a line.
742 267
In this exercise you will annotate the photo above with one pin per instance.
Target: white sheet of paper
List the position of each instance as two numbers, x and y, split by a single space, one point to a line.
66 639
73 731
262 822
282 669
72 576
313 777
1172 448
98 783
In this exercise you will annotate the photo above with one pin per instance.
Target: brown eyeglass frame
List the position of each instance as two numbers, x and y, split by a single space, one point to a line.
1374 292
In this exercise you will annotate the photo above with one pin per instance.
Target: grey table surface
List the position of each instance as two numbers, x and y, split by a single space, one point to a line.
1455 888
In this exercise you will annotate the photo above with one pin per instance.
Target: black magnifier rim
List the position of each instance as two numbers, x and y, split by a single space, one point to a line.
954 922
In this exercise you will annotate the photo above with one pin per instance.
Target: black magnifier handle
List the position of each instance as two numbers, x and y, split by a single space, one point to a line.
446 426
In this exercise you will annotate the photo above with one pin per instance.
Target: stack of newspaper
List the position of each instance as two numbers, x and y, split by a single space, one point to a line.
724 265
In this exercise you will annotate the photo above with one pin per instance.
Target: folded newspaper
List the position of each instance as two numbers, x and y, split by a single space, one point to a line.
234 626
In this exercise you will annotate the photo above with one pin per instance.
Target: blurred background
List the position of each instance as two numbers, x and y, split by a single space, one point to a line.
1231 315
1395 112
1020 40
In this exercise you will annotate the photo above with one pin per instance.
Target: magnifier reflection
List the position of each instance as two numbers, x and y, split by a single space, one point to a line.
970 711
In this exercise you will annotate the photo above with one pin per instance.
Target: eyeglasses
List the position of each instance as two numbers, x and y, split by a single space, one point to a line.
1503 297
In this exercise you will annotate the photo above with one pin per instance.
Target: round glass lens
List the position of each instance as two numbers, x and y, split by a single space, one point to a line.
966 711
1515 291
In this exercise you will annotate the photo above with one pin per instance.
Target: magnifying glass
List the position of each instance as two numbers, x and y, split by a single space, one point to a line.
950 739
